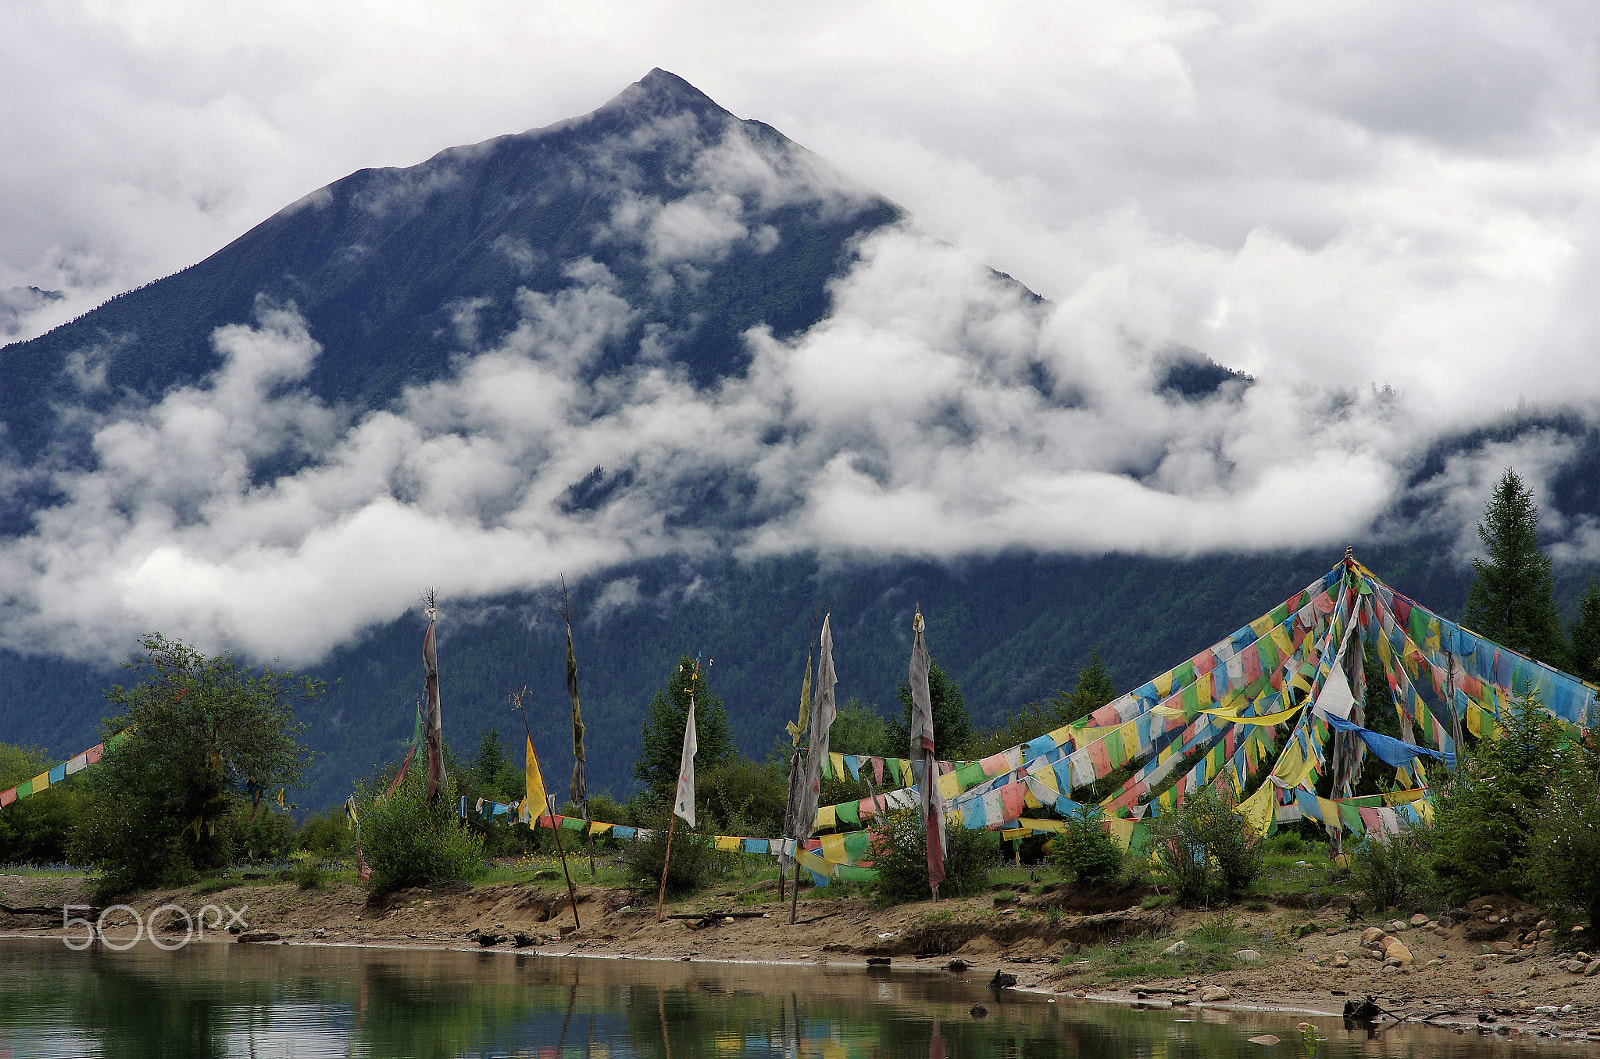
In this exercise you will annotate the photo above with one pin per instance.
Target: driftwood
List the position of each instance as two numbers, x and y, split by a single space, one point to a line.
718 915
47 910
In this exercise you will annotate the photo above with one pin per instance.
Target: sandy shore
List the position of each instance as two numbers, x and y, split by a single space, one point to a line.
1531 985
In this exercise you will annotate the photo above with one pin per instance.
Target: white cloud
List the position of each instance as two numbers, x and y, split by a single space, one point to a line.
1328 195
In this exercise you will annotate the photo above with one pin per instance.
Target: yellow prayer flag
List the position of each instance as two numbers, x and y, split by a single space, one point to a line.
827 816
535 801
1258 809
833 849
949 785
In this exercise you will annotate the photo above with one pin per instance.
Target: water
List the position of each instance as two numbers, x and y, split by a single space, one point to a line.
271 1001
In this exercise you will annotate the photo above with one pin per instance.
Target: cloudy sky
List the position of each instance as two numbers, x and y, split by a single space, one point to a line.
1330 196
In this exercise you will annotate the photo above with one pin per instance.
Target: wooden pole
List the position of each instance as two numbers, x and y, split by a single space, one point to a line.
794 898
572 895
662 896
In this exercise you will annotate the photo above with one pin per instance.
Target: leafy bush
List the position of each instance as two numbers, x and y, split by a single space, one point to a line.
1087 854
1565 839
1486 809
693 861
270 836
900 855
1204 849
327 833
1390 869
309 871
407 842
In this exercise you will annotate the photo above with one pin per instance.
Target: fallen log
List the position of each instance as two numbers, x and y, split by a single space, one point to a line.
49 910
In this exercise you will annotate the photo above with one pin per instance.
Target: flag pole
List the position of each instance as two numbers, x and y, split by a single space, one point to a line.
672 820
572 895
662 896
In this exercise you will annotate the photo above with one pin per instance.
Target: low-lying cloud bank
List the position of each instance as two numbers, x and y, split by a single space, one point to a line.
938 411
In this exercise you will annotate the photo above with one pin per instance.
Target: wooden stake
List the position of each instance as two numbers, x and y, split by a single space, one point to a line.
661 898
572 895
794 899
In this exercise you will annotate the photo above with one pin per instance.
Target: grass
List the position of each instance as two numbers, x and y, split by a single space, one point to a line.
1211 947
1292 866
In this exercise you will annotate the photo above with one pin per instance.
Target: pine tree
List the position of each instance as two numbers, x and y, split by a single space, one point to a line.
1093 690
662 740
952 728
1585 649
1512 596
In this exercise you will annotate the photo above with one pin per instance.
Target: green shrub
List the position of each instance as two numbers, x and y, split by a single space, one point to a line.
327 833
1565 840
407 842
309 872
1487 807
1088 855
1203 849
693 861
900 855
270 836
1390 869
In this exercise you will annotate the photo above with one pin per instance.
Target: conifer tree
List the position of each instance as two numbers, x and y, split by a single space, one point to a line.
1093 690
952 728
662 742
1512 596
1585 649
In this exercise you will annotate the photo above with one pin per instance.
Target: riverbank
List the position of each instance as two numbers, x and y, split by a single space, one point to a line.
1534 978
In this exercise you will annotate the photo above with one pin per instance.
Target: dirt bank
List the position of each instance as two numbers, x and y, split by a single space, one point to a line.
1536 978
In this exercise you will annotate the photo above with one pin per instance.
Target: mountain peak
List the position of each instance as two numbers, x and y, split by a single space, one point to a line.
662 92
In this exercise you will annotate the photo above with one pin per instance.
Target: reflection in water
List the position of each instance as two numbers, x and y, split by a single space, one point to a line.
261 1002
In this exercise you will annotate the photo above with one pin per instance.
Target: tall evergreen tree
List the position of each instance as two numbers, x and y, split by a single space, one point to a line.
1093 690
665 717
1585 647
1512 599
952 728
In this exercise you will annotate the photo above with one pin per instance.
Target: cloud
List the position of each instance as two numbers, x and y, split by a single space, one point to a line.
939 410
1332 197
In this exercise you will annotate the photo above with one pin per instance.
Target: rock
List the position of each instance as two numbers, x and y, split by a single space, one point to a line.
956 965
1212 994
1544 924
319 933
1504 948
521 940
1177 948
487 940
1447 922
1479 964
877 961
1341 959
1535 971
1371 935
1592 970
1396 925
259 937
1420 919
979 1011
1396 950
1266 1040
1390 968
1573 966
1248 956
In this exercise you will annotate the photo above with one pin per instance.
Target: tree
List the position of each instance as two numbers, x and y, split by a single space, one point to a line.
493 774
1512 598
196 733
860 729
662 740
1488 807
952 728
35 829
1585 649
1093 690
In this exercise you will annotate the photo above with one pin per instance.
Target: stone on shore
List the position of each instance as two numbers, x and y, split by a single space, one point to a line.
1211 994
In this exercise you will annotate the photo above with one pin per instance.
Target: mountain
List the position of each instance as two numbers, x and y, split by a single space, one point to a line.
677 357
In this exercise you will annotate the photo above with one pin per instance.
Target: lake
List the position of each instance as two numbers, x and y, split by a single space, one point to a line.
263 1002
